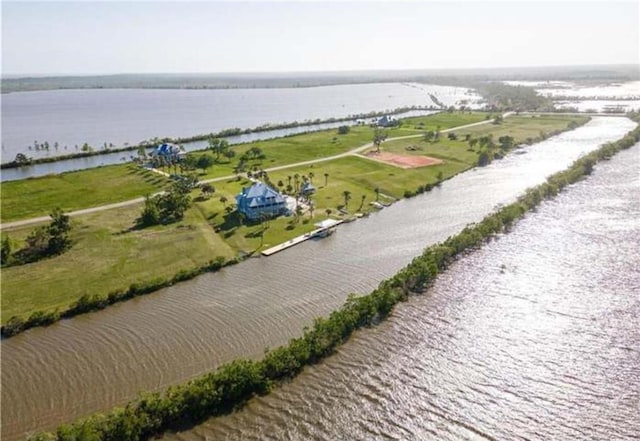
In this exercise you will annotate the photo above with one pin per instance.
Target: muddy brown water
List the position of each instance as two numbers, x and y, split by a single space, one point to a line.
533 337
99 360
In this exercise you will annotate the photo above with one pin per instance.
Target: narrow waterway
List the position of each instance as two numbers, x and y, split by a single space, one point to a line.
533 337
73 164
95 361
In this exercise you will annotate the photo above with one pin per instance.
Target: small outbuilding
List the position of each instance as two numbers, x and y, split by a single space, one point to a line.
307 189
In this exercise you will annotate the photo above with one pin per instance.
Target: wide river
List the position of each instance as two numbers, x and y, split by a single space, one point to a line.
533 337
119 116
98 360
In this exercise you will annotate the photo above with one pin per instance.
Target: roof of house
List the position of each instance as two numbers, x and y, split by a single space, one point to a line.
307 187
167 149
258 194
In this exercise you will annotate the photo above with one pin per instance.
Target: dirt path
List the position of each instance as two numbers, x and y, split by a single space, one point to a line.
41 219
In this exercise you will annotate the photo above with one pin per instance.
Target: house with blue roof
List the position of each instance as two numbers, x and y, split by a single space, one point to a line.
307 189
172 152
259 201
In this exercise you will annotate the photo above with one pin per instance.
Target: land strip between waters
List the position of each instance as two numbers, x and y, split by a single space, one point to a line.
7 226
106 286
234 383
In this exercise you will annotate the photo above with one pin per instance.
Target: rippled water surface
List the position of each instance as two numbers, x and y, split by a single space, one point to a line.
535 336
98 360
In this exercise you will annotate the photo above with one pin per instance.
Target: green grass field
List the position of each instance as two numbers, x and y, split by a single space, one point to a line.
72 191
89 188
108 254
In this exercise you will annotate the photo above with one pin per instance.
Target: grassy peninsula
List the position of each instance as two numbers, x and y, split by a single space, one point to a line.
109 254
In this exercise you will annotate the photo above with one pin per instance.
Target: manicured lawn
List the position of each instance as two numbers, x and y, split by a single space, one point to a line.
107 256
71 191
89 188
443 120
522 127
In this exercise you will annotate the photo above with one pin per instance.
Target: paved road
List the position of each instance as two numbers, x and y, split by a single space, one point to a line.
41 219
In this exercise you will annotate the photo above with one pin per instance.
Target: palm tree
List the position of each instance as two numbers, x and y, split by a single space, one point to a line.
377 192
347 197
311 177
326 179
328 211
224 200
362 202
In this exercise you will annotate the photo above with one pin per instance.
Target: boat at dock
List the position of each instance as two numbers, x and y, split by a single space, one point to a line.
323 229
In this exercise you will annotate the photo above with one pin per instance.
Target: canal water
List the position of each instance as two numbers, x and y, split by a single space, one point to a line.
66 165
533 337
98 360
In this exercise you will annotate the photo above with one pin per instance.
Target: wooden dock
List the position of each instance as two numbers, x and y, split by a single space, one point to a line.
324 228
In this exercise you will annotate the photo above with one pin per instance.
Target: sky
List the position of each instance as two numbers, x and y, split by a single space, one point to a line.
87 37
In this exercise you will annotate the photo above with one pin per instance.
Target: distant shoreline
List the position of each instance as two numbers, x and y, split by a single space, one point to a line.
275 80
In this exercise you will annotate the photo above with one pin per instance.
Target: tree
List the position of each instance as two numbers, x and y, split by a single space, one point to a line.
224 200
311 175
326 179
343 130
362 201
347 197
5 251
214 146
59 232
256 153
483 159
207 190
429 135
175 202
204 162
229 154
328 211
296 181
379 136
377 192
150 213
506 142
37 243
22 159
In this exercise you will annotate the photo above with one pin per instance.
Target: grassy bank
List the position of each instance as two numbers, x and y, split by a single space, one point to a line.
234 383
76 190
89 188
108 255
119 255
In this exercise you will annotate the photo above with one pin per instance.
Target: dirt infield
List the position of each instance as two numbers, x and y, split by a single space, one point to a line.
403 161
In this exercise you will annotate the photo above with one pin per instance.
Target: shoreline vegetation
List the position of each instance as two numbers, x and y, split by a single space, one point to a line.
455 77
425 180
233 384
236 131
